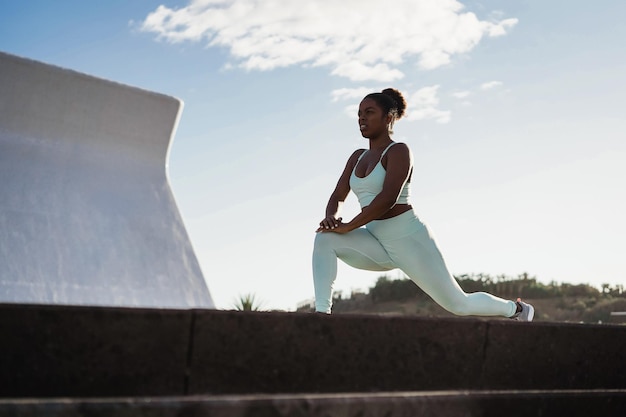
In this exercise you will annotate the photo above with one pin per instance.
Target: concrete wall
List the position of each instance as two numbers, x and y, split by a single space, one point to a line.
87 216
57 351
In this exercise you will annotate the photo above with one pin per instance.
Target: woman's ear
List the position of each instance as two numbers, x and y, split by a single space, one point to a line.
390 119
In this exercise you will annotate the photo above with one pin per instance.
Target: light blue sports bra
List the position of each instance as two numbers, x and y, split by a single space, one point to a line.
368 187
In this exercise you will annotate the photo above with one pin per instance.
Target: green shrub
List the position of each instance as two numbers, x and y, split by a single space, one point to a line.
601 312
394 290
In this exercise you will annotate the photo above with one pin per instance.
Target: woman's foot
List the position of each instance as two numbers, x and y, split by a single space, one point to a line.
525 312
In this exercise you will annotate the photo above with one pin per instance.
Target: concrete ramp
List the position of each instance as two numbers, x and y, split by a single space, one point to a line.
87 216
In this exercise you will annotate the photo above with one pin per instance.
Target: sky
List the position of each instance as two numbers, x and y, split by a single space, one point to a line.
515 119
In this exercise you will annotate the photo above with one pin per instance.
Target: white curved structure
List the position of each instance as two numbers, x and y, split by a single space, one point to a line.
87 216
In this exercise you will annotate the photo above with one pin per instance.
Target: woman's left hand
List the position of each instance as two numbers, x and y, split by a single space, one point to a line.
339 228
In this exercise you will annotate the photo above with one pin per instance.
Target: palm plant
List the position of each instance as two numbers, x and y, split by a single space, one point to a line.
248 302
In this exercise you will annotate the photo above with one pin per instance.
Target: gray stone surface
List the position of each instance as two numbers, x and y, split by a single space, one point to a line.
399 404
86 211
284 352
62 351
51 351
555 355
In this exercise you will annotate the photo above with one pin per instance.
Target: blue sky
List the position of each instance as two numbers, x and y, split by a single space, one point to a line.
515 118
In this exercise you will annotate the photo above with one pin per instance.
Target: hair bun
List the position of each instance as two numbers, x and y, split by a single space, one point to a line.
398 98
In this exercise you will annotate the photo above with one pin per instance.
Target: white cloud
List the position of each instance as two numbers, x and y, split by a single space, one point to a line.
356 71
351 93
360 40
461 94
500 28
422 105
490 85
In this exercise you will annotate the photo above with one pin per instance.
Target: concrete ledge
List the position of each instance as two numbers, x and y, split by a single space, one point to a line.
60 351
273 353
554 355
290 353
51 351
399 404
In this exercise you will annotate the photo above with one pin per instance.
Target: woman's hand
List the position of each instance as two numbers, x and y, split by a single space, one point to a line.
341 228
329 224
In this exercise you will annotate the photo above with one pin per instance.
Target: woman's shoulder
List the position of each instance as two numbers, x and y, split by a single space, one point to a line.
356 154
399 148
398 152
399 145
354 157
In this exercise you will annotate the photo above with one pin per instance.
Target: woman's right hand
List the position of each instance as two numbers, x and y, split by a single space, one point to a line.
329 223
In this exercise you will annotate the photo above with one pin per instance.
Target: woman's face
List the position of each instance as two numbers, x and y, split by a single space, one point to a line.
372 121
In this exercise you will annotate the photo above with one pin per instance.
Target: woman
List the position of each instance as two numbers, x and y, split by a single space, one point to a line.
392 236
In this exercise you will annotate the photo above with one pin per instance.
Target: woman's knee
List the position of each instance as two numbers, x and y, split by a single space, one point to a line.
323 240
328 240
461 309
459 306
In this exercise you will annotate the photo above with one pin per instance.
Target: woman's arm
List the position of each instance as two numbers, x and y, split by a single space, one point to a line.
338 196
399 163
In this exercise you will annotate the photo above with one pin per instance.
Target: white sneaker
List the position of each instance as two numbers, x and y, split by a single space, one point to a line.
527 311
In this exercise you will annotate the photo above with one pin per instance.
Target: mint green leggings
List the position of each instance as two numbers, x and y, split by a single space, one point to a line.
401 242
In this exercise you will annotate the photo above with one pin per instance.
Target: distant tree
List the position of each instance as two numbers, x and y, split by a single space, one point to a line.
606 288
387 289
601 312
579 290
247 302
471 283
534 289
